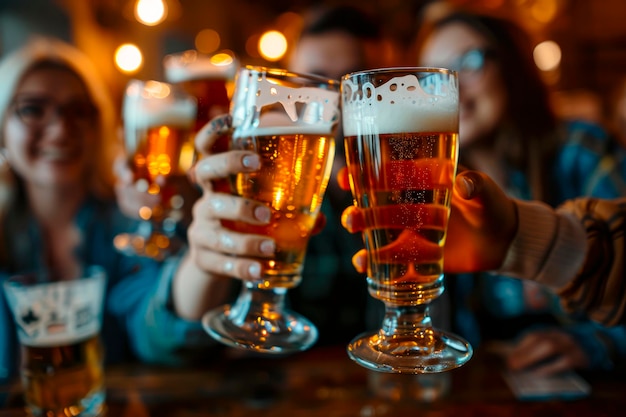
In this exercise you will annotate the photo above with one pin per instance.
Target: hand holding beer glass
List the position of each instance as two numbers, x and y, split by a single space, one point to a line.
158 123
289 120
401 139
58 325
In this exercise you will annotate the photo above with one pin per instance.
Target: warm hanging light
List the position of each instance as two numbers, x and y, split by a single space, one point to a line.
128 58
272 45
547 55
150 12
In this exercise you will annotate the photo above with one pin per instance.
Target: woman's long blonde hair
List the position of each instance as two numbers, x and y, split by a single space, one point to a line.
14 66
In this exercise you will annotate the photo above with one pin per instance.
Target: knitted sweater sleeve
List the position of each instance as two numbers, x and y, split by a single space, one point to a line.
578 251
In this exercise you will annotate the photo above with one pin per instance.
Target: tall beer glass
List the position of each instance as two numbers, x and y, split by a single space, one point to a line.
401 138
290 120
158 122
58 325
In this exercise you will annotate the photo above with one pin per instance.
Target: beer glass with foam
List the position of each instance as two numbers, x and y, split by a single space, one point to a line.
401 138
209 78
58 324
158 123
289 120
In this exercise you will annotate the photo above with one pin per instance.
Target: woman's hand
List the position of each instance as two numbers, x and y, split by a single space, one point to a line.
215 248
217 253
482 225
547 352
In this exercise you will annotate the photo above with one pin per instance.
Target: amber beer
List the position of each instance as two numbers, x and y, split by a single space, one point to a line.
406 194
158 141
402 174
294 173
62 378
58 325
208 78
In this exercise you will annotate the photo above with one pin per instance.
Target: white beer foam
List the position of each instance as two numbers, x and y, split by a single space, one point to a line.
59 313
191 65
399 105
144 113
305 110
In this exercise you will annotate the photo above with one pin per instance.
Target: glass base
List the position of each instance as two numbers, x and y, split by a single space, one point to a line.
278 333
443 352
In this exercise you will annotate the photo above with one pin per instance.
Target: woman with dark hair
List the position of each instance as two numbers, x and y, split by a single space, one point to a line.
508 130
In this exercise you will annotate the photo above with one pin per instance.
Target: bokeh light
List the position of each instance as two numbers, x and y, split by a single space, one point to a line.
128 58
207 41
150 12
272 45
547 55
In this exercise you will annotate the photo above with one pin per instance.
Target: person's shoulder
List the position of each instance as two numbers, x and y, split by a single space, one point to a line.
585 134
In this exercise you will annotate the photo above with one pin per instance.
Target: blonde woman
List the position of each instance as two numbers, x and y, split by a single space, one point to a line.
57 204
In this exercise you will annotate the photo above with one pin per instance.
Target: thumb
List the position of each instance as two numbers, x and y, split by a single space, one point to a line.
469 184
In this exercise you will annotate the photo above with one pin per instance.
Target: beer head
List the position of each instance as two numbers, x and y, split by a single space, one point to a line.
55 313
151 104
272 101
192 65
400 100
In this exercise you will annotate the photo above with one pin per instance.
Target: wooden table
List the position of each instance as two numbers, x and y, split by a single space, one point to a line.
323 382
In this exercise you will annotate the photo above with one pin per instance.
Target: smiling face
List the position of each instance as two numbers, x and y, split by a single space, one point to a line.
50 130
483 96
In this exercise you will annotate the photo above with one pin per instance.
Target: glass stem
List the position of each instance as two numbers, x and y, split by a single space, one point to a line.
262 305
406 328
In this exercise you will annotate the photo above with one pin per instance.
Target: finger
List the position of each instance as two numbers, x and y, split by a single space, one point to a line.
469 184
320 223
558 365
122 171
219 263
531 350
359 261
219 239
352 219
229 207
209 133
343 179
222 165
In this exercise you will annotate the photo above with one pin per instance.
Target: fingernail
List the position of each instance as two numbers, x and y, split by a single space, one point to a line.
468 184
267 247
204 167
251 161
254 270
217 204
262 214
346 221
359 263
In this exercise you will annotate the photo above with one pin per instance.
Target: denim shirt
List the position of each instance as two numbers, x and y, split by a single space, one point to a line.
587 164
138 322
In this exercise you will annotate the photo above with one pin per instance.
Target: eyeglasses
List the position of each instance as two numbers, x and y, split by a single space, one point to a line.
471 62
42 111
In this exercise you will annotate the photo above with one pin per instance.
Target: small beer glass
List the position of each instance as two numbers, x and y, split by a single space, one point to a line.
401 138
158 123
289 120
58 324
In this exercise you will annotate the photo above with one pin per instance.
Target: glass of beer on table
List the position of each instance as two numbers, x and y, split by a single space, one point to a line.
401 139
289 119
58 324
158 122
